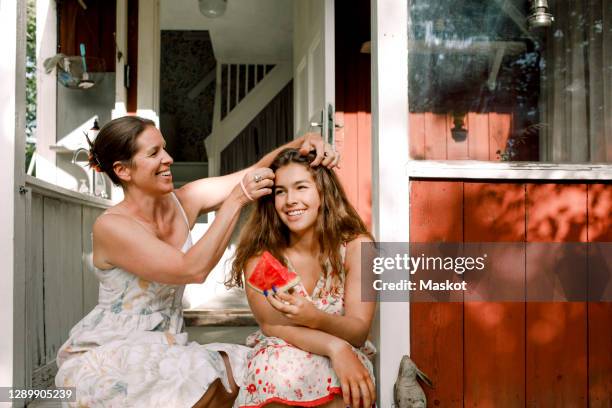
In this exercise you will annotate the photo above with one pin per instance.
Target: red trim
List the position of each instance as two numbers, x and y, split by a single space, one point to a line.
314 403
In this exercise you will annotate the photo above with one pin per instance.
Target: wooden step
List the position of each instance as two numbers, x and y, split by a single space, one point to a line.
219 317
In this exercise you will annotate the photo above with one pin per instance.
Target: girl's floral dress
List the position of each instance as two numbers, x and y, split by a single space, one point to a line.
131 350
279 372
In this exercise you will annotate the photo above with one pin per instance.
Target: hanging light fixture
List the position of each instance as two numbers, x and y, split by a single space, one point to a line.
539 15
212 8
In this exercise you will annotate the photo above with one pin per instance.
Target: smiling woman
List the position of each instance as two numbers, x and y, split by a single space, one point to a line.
131 350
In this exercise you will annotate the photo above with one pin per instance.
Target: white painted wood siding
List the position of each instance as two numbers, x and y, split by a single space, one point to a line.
60 285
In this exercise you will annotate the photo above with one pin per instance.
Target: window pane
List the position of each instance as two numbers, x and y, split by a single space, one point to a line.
485 85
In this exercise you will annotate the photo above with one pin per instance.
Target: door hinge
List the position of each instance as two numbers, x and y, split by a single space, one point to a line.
22 190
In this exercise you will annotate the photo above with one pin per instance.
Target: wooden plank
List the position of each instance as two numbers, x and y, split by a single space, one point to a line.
219 317
364 166
436 329
242 81
600 313
435 136
556 333
455 150
349 156
499 132
232 87
416 123
478 136
494 332
34 317
353 107
132 55
223 90
90 281
63 295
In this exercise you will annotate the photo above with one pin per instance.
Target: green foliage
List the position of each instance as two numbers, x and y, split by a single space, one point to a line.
30 129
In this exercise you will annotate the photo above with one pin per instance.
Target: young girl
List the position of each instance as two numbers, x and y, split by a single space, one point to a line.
307 351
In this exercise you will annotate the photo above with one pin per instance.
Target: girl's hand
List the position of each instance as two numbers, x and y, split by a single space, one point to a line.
298 309
358 391
326 154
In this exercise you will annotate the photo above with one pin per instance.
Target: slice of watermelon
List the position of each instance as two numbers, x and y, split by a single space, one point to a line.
270 272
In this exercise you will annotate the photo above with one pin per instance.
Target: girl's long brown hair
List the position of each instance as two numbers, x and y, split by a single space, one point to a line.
337 221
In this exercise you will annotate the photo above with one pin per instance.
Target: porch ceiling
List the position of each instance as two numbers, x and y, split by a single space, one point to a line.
253 31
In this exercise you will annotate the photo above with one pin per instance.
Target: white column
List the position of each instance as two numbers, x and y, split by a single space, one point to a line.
12 158
390 180
121 39
46 90
148 60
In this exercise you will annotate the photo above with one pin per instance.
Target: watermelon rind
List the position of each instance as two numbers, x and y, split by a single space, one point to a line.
283 288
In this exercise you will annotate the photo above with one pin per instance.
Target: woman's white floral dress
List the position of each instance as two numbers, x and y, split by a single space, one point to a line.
280 372
131 351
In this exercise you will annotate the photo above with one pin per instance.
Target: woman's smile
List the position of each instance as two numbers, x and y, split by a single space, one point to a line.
165 174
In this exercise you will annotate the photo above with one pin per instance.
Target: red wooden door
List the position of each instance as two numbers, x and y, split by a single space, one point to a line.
512 354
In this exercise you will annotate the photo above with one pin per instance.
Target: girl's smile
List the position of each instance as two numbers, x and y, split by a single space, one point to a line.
296 197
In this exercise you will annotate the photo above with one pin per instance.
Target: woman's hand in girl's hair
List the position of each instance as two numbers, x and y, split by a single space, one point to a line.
256 184
358 391
298 309
327 155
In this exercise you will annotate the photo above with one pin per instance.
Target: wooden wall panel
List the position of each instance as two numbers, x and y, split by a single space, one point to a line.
600 313
416 123
478 138
494 331
132 56
35 308
435 136
90 281
63 277
437 328
431 138
456 150
500 126
556 347
353 104
534 354
364 160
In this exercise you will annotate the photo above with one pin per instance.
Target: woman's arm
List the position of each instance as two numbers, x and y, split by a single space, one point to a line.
120 241
354 326
207 194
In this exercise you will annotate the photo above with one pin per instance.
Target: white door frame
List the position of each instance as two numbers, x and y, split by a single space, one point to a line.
389 178
149 48
12 214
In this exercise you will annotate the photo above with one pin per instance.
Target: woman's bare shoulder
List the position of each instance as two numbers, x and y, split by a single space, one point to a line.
115 223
